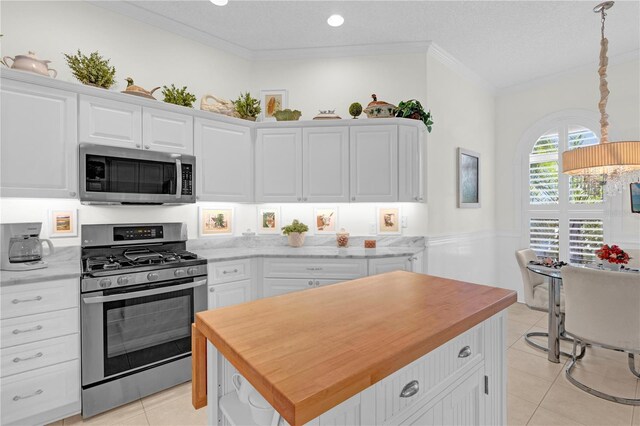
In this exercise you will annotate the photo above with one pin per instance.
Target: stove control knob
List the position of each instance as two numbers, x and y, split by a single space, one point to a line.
192 271
105 282
179 273
123 280
152 276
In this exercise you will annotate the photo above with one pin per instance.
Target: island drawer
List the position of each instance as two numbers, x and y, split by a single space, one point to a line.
228 271
26 299
21 358
21 330
35 392
429 375
344 269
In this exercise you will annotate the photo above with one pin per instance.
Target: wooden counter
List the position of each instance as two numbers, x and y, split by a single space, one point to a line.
307 352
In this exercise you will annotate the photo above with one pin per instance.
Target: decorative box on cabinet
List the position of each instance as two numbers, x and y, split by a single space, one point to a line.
374 163
224 161
38 153
279 165
410 172
325 164
167 131
109 122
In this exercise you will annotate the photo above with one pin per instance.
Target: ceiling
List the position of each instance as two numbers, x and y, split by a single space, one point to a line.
503 42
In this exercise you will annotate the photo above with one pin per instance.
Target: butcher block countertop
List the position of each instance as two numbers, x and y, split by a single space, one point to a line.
306 352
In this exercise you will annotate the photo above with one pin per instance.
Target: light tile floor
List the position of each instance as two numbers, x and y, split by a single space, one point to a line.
538 392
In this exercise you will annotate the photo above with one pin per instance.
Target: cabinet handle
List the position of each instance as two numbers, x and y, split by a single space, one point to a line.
353 198
410 389
147 147
464 352
212 289
299 198
235 271
19 397
73 194
38 355
317 283
35 299
310 282
26 330
411 259
416 198
138 145
304 199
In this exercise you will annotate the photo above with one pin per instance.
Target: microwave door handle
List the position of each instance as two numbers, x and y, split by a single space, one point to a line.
179 178
143 293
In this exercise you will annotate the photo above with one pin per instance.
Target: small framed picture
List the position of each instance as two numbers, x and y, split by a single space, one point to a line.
216 221
468 179
269 220
388 221
63 223
326 220
271 101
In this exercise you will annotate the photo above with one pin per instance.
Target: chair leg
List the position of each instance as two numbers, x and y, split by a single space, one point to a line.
528 336
632 366
599 394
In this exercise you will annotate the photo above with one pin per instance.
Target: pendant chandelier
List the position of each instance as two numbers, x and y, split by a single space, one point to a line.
617 162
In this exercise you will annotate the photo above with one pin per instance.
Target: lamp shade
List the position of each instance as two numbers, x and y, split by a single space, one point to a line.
603 158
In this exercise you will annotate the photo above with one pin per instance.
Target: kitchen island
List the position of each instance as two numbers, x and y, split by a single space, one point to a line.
393 348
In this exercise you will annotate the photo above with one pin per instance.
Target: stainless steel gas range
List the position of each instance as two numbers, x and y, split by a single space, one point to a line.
140 289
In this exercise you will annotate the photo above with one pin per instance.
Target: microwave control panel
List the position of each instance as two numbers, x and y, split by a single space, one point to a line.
187 179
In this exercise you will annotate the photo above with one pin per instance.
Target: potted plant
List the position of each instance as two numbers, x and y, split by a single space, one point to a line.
413 109
173 95
613 256
247 106
355 109
92 70
295 233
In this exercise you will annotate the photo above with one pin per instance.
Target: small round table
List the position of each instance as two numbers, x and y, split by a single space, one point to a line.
555 282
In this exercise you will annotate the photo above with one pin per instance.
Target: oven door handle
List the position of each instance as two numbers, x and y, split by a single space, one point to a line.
178 178
143 293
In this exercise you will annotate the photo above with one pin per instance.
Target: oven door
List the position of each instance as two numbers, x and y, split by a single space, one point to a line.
124 331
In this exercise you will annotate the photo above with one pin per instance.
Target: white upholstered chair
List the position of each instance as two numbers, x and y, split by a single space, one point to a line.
602 309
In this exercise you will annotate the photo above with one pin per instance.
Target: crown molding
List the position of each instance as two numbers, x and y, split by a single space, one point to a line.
447 59
343 51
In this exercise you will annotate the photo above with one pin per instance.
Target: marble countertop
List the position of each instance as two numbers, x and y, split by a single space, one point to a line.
64 263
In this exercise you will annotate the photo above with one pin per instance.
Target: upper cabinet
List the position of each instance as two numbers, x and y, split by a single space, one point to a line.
374 163
279 165
167 131
38 153
410 153
224 161
108 122
325 165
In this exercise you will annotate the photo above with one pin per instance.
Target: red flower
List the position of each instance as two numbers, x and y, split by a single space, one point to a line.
613 254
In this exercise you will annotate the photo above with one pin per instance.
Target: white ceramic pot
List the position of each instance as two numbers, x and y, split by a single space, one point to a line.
261 411
243 387
296 239
611 266
30 63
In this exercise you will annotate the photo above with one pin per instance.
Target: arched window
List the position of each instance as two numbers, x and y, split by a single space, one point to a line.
564 214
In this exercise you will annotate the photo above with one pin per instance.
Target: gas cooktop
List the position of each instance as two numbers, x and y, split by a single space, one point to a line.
135 258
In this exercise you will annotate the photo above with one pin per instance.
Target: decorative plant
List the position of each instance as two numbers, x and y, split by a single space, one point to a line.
296 226
92 69
413 109
173 95
612 254
247 106
355 109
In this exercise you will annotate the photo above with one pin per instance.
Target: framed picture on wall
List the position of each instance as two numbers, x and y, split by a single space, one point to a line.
269 220
272 100
388 221
468 179
63 223
213 221
326 220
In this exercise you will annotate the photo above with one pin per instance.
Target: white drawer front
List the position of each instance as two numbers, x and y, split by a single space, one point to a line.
17 331
293 267
27 299
433 373
233 270
21 358
28 394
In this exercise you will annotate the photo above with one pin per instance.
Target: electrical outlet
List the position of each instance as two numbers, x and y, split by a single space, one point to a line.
404 221
372 228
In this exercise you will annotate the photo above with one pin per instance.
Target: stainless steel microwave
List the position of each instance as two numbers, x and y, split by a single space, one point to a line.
111 175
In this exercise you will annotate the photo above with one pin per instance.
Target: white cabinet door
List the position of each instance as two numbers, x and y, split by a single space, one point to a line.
388 264
224 161
464 405
374 163
279 165
167 131
221 295
107 122
325 168
417 263
39 150
277 286
410 169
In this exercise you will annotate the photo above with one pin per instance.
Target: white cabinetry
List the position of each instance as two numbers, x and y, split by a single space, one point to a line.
224 161
39 141
109 122
374 163
279 165
229 294
325 166
400 263
231 282
167 131
410 151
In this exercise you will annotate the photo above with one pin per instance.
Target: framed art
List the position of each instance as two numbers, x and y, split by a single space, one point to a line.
325 220
63 223
388 221
215 221
269 220
468 179
271 101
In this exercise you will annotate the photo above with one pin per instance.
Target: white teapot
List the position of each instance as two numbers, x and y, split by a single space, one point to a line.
30 63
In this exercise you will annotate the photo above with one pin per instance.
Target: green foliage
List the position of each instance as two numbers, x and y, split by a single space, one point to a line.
173 95
296 226
247 106
355 109
92 69
413 109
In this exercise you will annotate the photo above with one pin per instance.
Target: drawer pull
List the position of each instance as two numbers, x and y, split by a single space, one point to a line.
35 299
26 330
38 355
310 282
464 352
410 389
19 397
235 271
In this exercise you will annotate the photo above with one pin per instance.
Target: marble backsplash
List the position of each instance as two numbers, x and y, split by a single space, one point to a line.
257 241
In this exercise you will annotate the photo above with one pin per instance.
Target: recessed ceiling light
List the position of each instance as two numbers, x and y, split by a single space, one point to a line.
219 2
335 20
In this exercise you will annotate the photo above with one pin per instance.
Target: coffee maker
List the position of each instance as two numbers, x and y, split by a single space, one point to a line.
21 246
